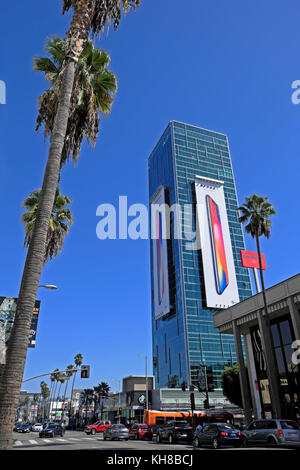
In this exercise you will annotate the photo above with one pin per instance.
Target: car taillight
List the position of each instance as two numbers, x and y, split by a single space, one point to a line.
280 432
224 433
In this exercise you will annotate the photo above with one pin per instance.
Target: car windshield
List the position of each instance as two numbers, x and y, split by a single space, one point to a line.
182 424
289 425
227 427
143 426
53 425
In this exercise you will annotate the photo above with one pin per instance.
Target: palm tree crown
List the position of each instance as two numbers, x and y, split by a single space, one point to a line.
256 212
105 11
93 93
61 219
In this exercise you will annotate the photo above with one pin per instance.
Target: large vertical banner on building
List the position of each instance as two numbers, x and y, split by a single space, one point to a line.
217 256
8 307
160 254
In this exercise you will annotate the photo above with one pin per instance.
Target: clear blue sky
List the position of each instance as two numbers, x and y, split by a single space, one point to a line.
226 66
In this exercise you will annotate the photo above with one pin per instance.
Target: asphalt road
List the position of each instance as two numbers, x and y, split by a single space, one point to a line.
77 440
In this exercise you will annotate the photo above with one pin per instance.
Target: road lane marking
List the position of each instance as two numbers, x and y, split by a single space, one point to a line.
32 441
18 443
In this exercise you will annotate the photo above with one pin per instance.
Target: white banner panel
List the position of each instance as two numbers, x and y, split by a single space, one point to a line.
160 255
213 229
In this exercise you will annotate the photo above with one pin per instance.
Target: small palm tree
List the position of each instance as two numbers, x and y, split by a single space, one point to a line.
101 392
60 221
88 398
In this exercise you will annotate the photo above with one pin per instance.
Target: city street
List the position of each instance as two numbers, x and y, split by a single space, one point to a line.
76 440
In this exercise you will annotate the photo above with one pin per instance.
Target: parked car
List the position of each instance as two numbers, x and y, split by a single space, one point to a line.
175 431
140 431
53 429
99 426
218 434
272 432
116 431
24 428
36 427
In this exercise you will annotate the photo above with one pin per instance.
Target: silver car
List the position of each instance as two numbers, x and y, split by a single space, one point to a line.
116 431
272 432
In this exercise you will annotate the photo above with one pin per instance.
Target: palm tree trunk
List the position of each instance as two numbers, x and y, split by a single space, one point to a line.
11 376
71 414
266 332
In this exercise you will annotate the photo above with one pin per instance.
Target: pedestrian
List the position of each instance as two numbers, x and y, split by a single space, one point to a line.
197 430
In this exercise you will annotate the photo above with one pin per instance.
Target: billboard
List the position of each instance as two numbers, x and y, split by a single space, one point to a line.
160 255
8 307
216 249
250 259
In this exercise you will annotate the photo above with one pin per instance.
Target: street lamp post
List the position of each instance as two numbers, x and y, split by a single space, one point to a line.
146 373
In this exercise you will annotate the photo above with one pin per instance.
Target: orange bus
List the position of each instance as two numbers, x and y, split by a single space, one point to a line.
158 418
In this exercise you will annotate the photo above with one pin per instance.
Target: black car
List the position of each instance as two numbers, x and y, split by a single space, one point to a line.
52 430
24 428
175 431
218 434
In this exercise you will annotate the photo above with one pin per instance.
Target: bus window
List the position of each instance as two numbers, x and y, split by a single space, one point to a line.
170 418
159 420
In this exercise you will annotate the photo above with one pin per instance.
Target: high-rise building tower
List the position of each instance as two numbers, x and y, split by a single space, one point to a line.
190 170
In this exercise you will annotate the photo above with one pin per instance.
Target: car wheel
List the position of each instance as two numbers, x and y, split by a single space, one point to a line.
171 439
244 442
158 438
136 437
272 441
93 432
215 443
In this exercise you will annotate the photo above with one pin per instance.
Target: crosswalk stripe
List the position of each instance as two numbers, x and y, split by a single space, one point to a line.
18 443
32 441
61 440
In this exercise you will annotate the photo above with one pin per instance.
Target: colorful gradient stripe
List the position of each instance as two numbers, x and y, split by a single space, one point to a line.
220 261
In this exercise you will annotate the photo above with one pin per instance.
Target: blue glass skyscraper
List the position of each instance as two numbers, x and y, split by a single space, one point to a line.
185 338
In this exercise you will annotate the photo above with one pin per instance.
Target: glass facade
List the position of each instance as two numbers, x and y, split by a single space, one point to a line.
289 374
186 338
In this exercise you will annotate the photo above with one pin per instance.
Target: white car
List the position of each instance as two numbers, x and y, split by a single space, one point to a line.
37 427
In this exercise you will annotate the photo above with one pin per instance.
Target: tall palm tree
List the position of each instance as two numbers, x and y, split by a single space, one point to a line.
256 213
60 221
69 373
88 15
93 93
78 359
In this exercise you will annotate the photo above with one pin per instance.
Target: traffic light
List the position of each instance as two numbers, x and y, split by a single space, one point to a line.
183 386
205 403
120 411
192 401
85 372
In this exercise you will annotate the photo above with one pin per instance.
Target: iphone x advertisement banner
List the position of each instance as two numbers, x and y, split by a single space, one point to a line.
160 255
213 229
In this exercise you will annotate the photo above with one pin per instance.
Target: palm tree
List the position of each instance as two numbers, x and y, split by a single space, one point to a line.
78 359
88 398
45 392
61 219
54 379
69 373
93 93
256 213
88 15
101 392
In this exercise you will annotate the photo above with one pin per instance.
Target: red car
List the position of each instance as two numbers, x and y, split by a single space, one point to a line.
99 426
140 431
